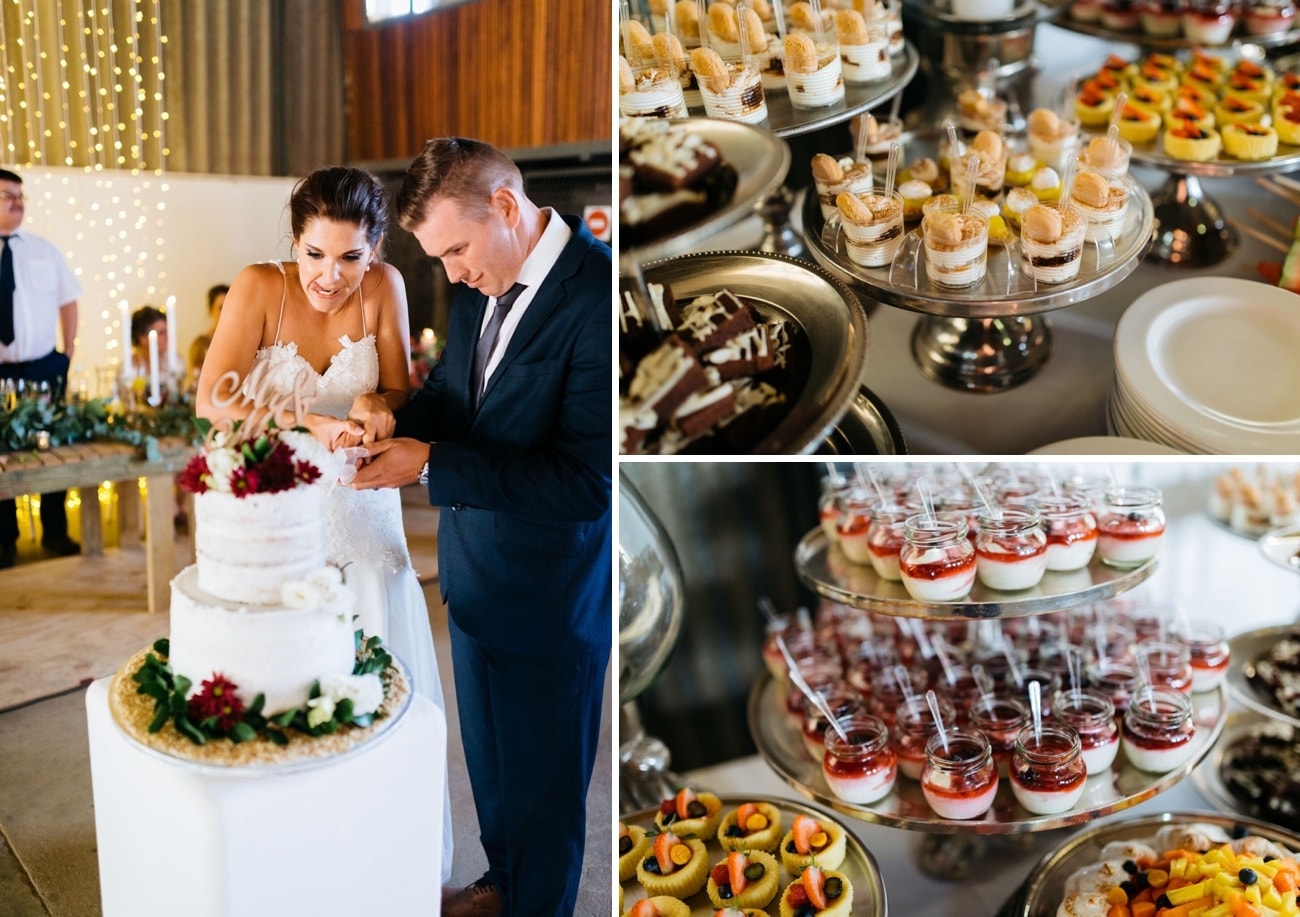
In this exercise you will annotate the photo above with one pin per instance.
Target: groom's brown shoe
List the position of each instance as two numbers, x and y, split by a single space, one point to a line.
478 900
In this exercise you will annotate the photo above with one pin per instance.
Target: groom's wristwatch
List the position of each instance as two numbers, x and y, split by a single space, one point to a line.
424 475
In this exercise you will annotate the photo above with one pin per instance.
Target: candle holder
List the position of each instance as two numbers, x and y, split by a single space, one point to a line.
42 440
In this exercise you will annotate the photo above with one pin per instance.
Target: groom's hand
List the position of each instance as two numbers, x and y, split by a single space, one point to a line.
392 463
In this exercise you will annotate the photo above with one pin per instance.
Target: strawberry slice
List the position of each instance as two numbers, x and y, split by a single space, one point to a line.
804 829
664 844
796 896
812 884
685 796
644 908
719 874
736 863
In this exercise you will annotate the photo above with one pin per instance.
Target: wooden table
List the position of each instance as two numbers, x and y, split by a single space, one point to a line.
87 465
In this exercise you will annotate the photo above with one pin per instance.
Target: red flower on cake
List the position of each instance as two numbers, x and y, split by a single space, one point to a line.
217 699
266 465
193 476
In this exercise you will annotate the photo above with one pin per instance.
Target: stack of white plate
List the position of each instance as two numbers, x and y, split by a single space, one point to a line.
1210 365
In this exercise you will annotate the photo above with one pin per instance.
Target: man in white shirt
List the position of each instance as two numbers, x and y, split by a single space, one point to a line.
37 292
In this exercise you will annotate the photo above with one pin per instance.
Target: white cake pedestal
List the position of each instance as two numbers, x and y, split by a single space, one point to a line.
360 834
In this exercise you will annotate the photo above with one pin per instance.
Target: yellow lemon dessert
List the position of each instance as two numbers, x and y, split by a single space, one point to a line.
1249 141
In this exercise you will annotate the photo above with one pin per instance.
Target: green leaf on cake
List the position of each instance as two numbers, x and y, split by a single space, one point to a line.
242 732
189 730
159 718
163 647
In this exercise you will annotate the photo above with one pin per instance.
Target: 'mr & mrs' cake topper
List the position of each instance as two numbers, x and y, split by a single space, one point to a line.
267 402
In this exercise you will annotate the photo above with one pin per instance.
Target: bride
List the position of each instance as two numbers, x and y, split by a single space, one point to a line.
335 319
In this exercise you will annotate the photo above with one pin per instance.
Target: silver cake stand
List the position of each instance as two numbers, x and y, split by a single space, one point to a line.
988 337
1239 40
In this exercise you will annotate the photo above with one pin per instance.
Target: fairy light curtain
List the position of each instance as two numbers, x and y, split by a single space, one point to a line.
244 87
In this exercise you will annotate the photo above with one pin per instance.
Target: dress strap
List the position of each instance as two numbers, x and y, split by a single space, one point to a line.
284 294
361 293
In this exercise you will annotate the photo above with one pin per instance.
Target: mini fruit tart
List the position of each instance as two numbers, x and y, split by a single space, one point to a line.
1153 99
809 839
828 893
659 906
1286 120
633 847
1237 110
689 814
1249 141
675 867
753 826
740 912
744 880
1192 143
1138 124
1093 106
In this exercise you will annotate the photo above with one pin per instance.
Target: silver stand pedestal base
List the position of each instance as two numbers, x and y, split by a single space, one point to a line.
1190 228
644 779
952 857
981 354
779 236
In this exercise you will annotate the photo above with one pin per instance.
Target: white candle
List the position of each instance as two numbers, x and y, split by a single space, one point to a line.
173 355
426 338
154 396
125 311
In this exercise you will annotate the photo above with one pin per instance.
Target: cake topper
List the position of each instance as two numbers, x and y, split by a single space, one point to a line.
265 399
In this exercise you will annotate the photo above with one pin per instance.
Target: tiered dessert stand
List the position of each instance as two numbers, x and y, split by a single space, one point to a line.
991 336
1190 227
823 567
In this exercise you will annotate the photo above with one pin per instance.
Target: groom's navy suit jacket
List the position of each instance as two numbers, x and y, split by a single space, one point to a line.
524 484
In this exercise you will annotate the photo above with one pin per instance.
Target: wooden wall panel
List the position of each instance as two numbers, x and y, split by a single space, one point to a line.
515 73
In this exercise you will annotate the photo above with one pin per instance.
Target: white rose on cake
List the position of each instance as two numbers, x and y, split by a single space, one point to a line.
365 691
222 464
326 577
320 710
298 594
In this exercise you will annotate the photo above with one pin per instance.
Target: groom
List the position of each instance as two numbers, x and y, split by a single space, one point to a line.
512 435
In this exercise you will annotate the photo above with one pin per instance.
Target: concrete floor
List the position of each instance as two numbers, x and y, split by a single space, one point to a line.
48 865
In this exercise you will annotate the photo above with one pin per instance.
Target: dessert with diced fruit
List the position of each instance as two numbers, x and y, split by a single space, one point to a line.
689 813
752 826
810 839
744 879
818 892
676 867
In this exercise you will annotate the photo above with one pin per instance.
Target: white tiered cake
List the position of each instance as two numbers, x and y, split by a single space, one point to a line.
229 613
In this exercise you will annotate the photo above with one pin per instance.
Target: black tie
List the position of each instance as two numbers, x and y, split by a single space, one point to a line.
7 294
487 343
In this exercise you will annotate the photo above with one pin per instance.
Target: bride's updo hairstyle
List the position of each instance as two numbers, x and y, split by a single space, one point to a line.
342 194
458 169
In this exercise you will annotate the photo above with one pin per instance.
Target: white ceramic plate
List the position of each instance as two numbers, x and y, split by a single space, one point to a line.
1214 358
1104 445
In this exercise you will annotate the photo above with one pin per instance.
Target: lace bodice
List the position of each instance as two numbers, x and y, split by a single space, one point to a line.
353 371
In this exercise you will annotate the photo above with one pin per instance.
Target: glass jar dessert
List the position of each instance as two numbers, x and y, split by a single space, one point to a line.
913 727
887 694
836 489
1071 531
1131 526
885 539
959 686
798 638
936 562
1000 719
1158 729
1116 679
1168 665
1092 716
1011 550
853 527
1047 769
822 675
1208 648
860 767
841 702
959 779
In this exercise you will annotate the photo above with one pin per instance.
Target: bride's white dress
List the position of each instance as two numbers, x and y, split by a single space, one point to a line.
364 531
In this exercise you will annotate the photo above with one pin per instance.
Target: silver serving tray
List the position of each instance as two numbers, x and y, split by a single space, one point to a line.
1282 547
828 314
784 120
761 160
1176 42
1241 725
823 568
1152 153
1045 887
1246 650
779 740
859 865
867 428
1004 292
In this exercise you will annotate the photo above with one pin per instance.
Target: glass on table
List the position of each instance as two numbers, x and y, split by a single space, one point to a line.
956 247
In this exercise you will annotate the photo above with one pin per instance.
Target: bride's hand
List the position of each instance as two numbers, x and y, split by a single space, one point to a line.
333 431
371 412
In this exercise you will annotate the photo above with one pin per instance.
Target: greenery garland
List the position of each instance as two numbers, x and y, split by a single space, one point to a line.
83 421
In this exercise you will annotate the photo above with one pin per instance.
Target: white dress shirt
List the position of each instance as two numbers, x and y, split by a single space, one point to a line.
536 266
42 283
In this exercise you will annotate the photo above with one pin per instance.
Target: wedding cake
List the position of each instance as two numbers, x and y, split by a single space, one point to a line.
259 606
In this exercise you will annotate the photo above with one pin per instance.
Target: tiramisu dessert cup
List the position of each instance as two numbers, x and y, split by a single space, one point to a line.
649 92
669 52
1052 138
864 47
959 779
862 767
1108 158
1131 526
723 30
1103 200
976 112
813 74
1051 245
990 154
936 561
956 247
833 177
730 89
873 226
1011 549
880 136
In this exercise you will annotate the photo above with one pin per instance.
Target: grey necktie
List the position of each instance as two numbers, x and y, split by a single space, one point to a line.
487 343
